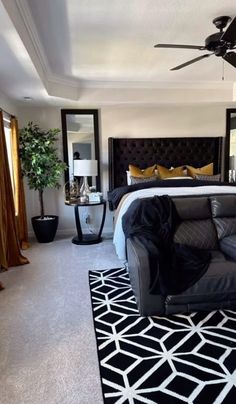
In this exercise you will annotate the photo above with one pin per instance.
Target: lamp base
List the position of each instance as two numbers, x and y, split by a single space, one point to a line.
84 190
87 239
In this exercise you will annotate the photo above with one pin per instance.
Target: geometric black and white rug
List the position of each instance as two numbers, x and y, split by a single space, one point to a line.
166 360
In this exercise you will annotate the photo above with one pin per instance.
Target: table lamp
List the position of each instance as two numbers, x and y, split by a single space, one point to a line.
85 168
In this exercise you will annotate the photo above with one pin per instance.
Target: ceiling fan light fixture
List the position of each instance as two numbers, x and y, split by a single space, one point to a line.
27 98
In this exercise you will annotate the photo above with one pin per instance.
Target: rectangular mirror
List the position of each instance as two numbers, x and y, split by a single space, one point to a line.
80 140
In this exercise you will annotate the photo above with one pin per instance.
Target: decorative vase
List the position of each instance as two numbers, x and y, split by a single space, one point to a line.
71 189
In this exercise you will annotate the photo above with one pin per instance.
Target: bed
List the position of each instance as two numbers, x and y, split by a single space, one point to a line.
144 152
168 152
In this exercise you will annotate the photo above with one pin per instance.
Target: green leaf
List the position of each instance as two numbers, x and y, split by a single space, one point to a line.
40 162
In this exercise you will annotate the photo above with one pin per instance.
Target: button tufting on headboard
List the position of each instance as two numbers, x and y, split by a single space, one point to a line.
145 152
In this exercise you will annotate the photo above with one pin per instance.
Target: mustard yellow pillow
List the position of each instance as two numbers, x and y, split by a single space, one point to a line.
137 172
206 170
166 173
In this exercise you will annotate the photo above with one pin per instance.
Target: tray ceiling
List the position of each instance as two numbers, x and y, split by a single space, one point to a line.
61 47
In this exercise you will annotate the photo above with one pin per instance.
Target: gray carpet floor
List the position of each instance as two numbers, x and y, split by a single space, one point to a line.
47 343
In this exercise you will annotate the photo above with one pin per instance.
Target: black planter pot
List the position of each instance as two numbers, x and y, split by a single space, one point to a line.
45 229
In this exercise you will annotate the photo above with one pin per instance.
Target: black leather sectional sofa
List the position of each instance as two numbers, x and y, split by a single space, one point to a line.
207 222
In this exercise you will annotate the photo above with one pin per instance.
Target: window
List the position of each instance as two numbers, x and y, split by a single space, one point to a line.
7 130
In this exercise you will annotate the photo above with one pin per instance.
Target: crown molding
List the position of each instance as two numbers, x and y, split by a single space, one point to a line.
28 21
74 89
61 89
23 22
183 85
20 19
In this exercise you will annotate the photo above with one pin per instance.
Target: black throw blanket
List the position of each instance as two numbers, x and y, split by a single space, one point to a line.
173 267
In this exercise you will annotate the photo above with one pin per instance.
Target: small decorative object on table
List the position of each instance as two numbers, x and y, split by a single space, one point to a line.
71 189
95 197
83 199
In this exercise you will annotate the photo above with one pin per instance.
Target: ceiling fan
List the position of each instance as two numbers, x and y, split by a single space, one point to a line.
219 43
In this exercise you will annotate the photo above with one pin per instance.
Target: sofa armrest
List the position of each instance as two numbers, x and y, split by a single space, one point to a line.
228 246
139 272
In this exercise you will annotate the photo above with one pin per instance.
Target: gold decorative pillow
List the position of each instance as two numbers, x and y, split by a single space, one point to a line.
169 173
205 170
137 172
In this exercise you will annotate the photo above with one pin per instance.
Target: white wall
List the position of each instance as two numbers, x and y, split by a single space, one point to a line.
7 105
120 121
166 121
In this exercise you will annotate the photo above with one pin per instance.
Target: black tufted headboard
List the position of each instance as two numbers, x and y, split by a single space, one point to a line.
144 152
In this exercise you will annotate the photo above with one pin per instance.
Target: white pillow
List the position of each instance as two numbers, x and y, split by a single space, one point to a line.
128 175
179 178
128 178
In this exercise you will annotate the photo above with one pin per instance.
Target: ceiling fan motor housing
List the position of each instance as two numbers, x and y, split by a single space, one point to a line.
221 22
214 44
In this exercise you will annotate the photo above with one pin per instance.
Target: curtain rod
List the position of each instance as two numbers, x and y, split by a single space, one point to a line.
3 110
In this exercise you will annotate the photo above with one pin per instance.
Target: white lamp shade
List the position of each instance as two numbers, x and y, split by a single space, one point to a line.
85 168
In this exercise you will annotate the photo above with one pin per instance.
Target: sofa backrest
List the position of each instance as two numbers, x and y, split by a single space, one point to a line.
223 208
191 208
196 228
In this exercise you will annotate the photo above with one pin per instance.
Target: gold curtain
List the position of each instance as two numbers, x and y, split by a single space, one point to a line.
10 254
19 195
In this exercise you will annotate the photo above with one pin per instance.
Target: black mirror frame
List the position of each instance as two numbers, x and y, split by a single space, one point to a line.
229 111
94 112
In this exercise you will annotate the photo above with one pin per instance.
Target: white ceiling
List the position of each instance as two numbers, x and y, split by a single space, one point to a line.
58 48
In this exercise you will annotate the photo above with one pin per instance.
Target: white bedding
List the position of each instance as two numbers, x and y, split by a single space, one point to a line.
119 238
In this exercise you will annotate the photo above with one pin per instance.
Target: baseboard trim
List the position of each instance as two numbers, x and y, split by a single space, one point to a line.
71 232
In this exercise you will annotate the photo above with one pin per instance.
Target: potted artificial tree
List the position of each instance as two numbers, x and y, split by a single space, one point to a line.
43 169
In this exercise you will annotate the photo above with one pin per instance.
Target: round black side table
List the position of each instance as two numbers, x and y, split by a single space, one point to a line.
81 238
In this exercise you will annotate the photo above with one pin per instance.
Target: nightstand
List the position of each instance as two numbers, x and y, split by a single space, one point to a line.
87 238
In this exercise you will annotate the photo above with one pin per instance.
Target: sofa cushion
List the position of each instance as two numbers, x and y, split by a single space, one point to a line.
228 246
223 209
190 208
197 233
217 284
223 205
225 226
217 256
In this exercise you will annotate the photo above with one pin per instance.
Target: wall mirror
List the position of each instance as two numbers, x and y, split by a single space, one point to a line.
80 140
230 146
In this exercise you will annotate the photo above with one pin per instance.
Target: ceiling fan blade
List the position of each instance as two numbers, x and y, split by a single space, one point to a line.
230 57
168 45
192 61
230 34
